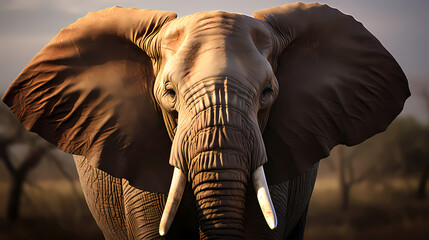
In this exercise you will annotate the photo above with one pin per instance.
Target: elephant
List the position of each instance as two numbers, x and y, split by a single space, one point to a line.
207 126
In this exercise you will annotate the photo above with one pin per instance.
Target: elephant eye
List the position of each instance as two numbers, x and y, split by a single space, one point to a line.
267 91
266 96
169 90
171 93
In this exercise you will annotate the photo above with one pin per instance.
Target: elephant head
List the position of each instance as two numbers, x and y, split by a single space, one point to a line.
227 98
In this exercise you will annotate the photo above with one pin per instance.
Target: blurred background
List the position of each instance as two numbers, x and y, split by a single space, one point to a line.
376 190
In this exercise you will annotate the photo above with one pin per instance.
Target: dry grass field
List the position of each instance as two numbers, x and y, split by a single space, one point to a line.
387 210
49 210
57 210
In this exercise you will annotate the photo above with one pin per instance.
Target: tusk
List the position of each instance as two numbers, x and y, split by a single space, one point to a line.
177 187
264 197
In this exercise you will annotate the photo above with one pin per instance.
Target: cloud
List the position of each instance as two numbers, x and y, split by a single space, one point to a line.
183 7
22 5
75 7
81 7
16 51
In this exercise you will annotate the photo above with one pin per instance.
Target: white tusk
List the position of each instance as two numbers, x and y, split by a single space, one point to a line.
177 188
264 197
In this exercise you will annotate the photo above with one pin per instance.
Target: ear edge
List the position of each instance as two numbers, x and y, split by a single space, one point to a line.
64 66
297 160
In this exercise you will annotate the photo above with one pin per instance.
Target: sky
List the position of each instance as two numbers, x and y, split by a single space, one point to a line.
401 26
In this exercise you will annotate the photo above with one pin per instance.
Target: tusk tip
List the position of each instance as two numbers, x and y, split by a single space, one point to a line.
264 198
164 226
175 194
272 223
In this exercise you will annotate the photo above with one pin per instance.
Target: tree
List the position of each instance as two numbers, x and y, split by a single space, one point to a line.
421 189
353 169
13 133
400 151
19 173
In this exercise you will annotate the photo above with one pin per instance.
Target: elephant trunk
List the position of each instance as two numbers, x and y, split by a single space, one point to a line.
220 165
219 150
220 199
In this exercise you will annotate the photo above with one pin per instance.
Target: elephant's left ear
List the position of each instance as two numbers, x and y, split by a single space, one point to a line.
89 92
338 85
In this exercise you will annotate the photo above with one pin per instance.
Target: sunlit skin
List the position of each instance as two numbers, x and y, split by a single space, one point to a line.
207 66
197 59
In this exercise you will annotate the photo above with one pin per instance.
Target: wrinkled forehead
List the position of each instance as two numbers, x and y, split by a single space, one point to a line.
216 27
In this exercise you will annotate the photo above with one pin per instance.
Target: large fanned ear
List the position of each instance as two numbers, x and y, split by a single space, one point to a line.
338 85
89 92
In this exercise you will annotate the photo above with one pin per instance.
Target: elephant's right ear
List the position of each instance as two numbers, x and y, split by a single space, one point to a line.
89 92
338 85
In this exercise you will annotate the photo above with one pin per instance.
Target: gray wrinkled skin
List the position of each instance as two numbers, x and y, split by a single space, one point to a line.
124 212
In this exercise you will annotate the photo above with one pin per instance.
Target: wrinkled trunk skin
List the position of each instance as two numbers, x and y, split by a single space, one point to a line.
220 203
219 167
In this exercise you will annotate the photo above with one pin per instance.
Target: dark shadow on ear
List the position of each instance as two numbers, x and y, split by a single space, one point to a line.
338 85
89 92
